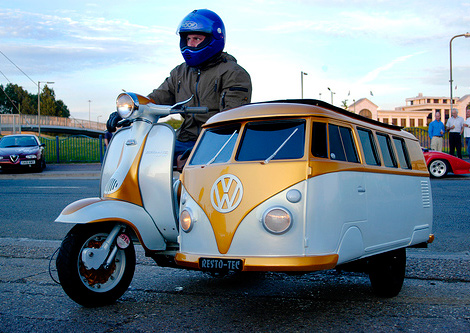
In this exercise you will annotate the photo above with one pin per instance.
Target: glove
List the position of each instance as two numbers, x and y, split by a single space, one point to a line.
113 119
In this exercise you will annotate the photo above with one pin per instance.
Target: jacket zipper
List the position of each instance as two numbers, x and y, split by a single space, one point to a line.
197 83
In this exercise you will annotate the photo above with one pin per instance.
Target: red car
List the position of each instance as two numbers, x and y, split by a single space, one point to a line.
23 151
439 164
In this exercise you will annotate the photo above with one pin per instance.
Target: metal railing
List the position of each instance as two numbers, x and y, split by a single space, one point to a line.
18 120
74 149
423 136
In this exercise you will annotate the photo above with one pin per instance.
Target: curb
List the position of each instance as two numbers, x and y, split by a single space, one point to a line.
52 175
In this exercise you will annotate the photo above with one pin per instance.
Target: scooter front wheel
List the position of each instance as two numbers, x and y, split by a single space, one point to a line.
93 287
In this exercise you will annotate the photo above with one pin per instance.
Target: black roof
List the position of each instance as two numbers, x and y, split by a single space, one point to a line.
325 105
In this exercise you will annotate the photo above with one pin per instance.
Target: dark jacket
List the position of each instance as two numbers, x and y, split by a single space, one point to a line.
220 85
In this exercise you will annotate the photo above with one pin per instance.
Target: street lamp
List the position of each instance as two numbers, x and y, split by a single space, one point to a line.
302 84
332 93
39 104
89 111
450 48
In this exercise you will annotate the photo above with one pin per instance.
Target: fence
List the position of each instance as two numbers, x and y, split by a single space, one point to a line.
16 121
74 149
85 149
422 135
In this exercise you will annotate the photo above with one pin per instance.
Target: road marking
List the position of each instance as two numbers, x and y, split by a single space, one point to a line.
48 187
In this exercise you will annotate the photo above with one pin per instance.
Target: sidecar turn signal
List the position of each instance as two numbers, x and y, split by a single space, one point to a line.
186 220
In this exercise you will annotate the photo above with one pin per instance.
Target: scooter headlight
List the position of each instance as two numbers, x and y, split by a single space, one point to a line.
126 105
186 220
277 220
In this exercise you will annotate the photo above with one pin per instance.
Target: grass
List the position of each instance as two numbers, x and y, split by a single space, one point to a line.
73 149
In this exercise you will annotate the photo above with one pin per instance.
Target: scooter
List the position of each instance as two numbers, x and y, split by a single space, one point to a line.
138 204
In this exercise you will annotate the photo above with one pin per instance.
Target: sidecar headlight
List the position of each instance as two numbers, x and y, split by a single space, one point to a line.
277 220
186 220
126 105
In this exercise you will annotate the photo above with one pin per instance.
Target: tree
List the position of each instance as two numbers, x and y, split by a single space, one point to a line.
345 104
62 109
14 99
48 105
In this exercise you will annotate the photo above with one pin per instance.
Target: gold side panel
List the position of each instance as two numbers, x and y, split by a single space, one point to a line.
270 264
129 190
259 182
77 205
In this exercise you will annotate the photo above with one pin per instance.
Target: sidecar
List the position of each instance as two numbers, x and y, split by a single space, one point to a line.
301 186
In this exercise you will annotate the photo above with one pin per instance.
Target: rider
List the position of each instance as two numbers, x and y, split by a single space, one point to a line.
212 76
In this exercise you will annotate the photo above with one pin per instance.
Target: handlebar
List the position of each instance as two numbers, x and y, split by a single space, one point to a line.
196 109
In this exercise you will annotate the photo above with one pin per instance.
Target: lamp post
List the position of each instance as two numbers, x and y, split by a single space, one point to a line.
39 104
332 93
89 111
450 50
302 84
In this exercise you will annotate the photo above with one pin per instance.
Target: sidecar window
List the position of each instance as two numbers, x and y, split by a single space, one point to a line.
283 139
216 142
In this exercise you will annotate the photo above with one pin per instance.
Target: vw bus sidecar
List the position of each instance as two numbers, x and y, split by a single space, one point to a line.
300 186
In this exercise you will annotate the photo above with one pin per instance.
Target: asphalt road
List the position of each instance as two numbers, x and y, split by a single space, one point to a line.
435 296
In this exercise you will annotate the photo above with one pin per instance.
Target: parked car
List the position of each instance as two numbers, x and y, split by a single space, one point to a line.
439 164
22 151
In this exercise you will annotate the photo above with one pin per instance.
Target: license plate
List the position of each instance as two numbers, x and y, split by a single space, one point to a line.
220 265
27 162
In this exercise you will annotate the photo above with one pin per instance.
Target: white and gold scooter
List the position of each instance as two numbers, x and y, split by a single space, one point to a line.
137 204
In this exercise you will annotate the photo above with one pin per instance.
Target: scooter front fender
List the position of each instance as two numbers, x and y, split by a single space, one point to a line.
95 210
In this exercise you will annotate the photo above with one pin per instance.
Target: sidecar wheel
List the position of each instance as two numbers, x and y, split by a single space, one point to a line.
387 273
90 287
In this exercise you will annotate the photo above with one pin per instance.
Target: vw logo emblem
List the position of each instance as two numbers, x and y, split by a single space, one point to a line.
226 193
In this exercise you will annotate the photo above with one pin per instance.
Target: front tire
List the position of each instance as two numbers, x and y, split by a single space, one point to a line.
387 272
438 168
90 287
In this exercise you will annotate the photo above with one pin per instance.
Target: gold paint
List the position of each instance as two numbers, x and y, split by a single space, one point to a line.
129 190
260 182
431 238
269 264
77 205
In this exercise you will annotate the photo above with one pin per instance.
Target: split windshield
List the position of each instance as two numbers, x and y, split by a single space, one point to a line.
274 140
261 141
216 145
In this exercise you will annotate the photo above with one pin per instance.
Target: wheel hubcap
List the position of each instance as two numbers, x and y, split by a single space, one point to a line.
101 279
438 168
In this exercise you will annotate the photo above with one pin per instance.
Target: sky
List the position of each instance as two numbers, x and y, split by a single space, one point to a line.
382 50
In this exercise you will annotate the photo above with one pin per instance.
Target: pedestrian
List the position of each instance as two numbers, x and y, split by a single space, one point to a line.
436 132
212 76
107 138
455 127
466 131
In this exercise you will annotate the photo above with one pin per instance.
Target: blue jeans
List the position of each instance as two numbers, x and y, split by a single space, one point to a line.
181 147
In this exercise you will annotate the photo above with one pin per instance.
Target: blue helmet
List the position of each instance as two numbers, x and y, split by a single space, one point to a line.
205 22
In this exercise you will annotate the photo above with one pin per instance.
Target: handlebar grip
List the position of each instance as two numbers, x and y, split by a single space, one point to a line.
196 109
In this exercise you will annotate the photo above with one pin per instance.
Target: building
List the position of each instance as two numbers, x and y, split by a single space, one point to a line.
418 111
